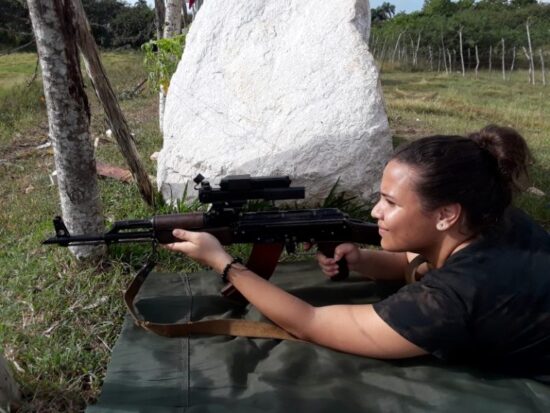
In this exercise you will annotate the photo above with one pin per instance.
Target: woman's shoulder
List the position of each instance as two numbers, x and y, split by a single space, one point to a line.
518 230
517 238
512 259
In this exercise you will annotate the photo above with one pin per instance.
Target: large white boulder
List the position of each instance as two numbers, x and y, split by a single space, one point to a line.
277 87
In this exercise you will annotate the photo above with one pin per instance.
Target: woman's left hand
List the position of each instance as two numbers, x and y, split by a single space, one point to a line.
202 247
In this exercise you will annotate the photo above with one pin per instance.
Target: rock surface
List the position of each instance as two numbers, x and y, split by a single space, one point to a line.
277 87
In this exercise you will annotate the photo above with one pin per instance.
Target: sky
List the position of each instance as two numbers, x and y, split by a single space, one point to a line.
400 5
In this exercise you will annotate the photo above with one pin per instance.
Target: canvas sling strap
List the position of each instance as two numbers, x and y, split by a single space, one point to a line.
411 273
261 261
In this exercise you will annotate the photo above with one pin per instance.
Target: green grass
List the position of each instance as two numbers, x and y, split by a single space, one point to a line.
60 318
16 69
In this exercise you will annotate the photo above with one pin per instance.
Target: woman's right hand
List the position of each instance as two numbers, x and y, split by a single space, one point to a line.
349 251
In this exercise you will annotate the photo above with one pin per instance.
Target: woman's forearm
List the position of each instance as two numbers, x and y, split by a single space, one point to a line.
289 312
382 265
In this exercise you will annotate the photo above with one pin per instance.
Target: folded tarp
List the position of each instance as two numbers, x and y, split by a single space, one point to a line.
150 373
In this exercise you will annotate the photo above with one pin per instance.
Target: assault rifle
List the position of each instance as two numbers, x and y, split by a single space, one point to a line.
269 231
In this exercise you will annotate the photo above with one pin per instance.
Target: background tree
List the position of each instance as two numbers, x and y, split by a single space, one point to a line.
68 119
439 7
15 26
114 23
172 28
384 12
485 24
133 26
160 14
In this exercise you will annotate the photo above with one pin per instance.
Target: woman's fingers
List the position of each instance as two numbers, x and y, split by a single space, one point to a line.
186 235
328 265
200 246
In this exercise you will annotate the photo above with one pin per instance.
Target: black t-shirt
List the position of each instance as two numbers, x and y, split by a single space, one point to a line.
489 303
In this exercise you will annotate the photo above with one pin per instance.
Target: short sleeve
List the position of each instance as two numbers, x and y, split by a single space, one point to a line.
430 316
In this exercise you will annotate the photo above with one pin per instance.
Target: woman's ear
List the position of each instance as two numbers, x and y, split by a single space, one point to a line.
448 215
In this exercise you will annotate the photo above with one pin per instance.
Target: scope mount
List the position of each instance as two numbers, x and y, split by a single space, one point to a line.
235 191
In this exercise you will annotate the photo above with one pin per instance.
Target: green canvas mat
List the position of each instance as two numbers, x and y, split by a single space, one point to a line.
149 373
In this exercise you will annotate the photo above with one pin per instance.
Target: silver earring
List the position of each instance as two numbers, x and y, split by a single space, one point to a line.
441 226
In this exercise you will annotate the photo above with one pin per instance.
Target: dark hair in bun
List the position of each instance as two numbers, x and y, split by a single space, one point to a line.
481 172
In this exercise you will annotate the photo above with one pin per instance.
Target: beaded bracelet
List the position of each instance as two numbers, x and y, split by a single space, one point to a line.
225 272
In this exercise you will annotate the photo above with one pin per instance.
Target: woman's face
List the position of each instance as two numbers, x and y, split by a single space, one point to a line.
404 226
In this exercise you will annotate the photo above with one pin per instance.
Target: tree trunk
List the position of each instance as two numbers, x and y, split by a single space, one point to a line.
461 53
172 27
531 60
503 60
513 59
187 18
417 48
444 53
531 73
396 47
160 19
431 58
172 22
69 118
382 54
372 40
490 59
107 97
542 67
160 13
477 61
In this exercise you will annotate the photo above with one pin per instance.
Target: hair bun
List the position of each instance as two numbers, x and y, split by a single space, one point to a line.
510 151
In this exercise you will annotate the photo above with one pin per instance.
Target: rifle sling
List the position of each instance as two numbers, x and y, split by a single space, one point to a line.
412 268
229 327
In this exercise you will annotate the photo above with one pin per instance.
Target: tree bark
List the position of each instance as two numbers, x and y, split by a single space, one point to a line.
417 49
107 97
531 72
68 118
490 59
461 53
396 47
513 59
187 17
503 60
444 53
541 55
531 60
477 61
172 27
160 13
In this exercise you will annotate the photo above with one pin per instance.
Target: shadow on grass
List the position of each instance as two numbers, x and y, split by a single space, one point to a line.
56 401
